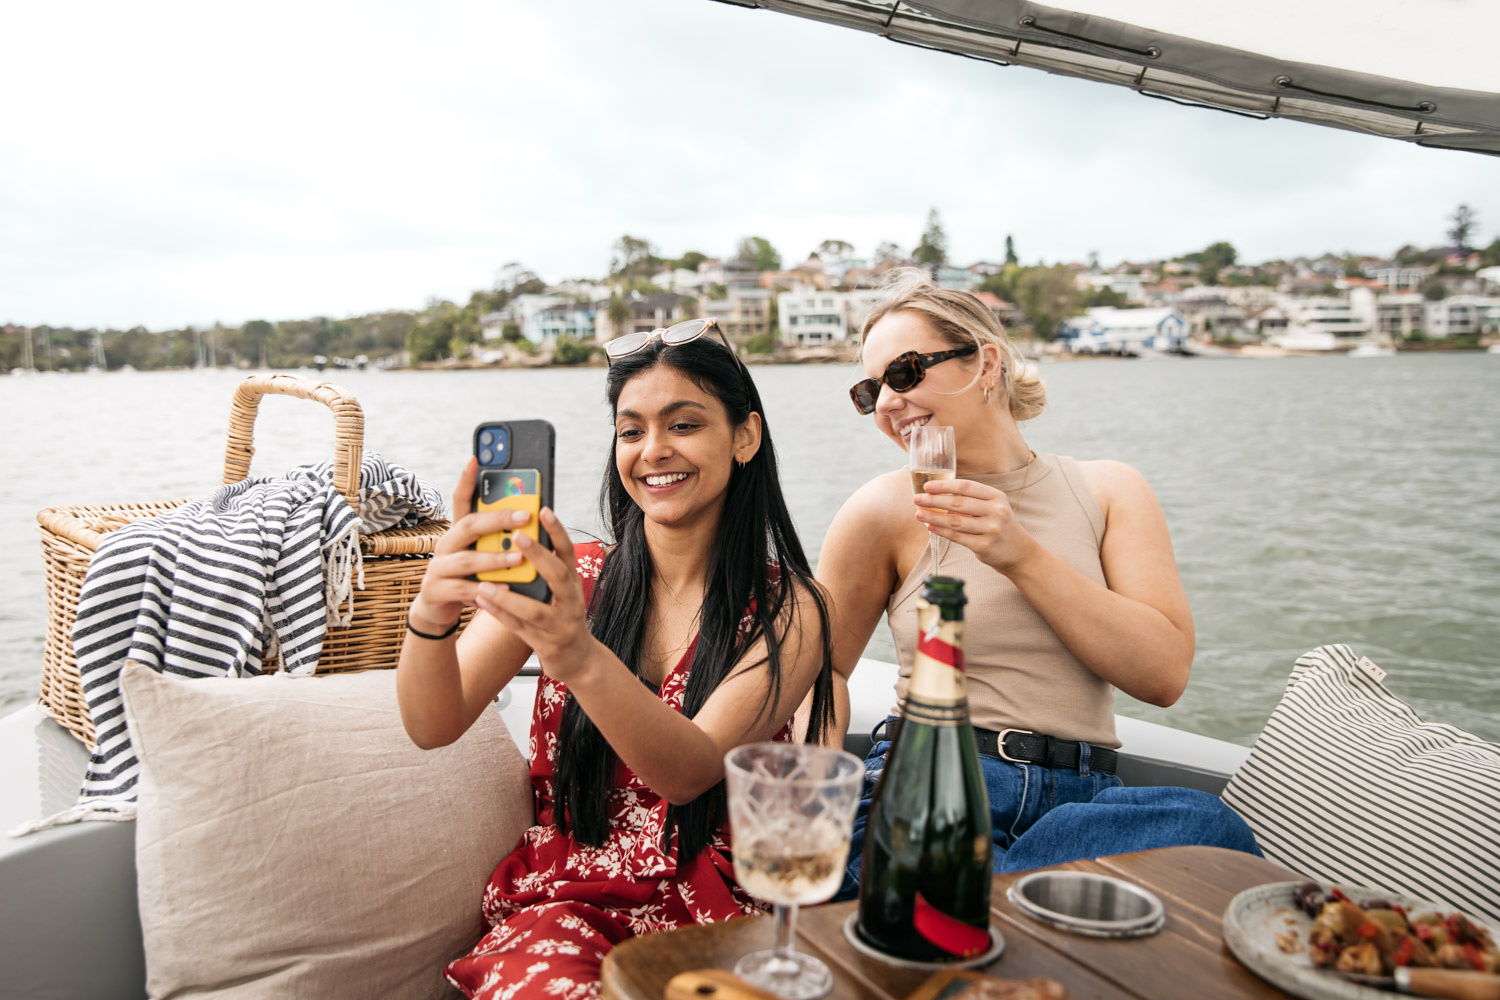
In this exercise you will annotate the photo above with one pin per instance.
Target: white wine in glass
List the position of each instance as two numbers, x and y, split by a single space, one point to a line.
791 810
931 455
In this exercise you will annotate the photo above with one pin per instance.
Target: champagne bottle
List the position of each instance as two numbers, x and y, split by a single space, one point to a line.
925 890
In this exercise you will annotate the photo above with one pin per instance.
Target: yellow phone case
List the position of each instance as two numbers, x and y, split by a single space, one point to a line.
501 541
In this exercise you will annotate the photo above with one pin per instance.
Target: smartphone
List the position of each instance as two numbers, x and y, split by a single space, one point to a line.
515 473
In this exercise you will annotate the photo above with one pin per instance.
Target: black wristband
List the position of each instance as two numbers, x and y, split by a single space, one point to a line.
424 635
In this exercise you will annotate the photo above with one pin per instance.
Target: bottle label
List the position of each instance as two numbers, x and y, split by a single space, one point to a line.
937 693
948 933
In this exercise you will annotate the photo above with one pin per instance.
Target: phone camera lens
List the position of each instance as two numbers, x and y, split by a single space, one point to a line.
486 456
486 437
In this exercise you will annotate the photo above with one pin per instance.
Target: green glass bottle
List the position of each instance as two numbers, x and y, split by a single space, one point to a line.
924 894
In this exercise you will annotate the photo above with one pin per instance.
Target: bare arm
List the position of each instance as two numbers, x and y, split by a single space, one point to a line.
677 757
443 685
1136 632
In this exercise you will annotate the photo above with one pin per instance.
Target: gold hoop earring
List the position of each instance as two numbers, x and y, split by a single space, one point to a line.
987 393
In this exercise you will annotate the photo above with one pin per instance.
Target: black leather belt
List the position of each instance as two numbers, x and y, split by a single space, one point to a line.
1022 746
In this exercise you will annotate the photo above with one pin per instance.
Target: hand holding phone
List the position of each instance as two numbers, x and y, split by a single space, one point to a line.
515 473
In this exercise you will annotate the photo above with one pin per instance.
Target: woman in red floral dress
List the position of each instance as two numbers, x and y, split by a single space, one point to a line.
699 630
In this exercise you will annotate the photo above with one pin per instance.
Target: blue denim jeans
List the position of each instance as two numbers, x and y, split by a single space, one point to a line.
1047 816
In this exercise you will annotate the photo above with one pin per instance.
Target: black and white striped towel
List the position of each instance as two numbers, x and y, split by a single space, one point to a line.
1348 785
216 587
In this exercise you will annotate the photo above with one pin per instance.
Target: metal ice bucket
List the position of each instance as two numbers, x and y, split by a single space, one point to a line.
1086 903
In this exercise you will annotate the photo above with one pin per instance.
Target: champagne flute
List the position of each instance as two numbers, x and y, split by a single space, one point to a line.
931 455
791 811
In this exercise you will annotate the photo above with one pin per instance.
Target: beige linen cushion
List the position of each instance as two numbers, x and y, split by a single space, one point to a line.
291 841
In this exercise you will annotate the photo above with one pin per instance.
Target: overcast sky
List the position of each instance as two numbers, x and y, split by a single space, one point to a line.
173 163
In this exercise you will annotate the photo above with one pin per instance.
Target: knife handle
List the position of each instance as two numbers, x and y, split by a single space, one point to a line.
716 984
1454 984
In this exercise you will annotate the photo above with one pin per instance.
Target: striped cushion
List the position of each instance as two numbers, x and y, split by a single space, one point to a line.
1347 785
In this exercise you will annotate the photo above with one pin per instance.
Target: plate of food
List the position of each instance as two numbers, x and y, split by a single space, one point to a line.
1304 936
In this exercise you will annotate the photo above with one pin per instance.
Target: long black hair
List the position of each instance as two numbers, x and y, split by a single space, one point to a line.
755 534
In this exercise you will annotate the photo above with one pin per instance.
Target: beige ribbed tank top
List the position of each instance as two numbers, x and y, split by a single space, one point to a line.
1020 675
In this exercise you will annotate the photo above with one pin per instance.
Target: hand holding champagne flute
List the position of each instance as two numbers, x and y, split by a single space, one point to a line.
931 455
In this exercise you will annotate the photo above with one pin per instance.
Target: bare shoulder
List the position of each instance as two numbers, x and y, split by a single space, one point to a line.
868 528
883 501
1116 485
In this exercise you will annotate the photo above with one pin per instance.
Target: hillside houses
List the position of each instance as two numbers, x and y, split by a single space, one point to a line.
1326 303
1322 304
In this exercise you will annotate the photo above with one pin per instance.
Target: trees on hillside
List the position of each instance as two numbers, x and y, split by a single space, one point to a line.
758 252
888 255
633 258
1211 260
1049 295
1464 222
834 250
932 250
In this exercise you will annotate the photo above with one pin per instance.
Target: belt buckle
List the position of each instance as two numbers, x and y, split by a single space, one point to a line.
1000 744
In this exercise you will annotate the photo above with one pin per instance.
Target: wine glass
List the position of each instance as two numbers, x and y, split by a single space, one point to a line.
791 810
931 455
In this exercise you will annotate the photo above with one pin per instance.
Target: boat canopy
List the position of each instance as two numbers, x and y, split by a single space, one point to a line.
1413 70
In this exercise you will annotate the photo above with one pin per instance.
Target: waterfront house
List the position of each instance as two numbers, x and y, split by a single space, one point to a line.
960 278
729 273
1107 330
813 317
1250 298
1266 322
1132 286
522 311
1325 323
1398 276
571 319
802 274
1398 315
743 313
711 272
838 268
740 274
1461 316
1166 292
1211 314
679 279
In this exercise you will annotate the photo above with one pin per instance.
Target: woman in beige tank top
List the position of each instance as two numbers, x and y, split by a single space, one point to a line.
1072 585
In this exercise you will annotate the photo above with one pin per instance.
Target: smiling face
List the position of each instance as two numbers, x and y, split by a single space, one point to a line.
675 447
949 394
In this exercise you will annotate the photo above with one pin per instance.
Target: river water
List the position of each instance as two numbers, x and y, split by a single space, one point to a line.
1311 500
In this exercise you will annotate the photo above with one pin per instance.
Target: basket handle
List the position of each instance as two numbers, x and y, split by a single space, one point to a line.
348 427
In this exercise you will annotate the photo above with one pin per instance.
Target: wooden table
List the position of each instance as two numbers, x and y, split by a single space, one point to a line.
1186 960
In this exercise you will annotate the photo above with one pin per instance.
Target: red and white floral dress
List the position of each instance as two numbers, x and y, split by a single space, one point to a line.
556 906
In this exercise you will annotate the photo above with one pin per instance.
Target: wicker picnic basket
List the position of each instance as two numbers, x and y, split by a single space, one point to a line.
394 560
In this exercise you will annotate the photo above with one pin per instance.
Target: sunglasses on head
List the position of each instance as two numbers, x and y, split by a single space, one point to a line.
904 373
678 333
